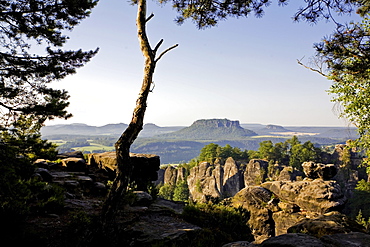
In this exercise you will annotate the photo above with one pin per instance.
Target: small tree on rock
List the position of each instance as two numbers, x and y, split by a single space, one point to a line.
124 165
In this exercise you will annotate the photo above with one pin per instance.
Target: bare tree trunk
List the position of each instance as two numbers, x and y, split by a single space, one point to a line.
125 168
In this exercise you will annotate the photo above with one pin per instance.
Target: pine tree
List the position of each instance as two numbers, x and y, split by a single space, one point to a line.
27 25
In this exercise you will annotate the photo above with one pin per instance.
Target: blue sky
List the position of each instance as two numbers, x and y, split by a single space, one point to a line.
244 69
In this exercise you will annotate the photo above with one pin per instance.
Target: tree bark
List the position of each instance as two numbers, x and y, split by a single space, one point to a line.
122 146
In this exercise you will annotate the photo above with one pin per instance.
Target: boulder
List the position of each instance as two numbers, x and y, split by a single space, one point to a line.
75 164
43 174
316 196
145 166
292 240
255 172
326 224
107 160
142 198
256 199
351 239
317 170
289 173
284 220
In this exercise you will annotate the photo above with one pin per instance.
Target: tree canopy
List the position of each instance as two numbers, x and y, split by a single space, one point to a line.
207 13
27 25
346 56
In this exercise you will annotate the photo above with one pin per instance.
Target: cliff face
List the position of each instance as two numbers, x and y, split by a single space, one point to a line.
207 181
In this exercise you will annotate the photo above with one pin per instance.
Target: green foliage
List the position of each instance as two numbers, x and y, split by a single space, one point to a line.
45 197
24 75
362 185
222 223
166 191
25 139
291 152
181 191
19 194
360 200
211 152
362 221
209 13
198 186
346 56
178 192
301 153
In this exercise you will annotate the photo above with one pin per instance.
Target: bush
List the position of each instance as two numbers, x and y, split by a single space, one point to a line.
360 200
181 191
221 223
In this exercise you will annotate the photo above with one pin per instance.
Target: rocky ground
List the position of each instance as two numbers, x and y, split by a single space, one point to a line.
306 211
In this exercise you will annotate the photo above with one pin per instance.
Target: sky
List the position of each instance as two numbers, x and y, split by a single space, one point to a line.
243 69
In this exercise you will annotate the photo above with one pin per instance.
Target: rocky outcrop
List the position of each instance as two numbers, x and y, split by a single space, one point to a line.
203 182
257 201
316 196
106 161
158 224
207 181
145 166
293 240
75 164
327 224
170 175
255 172
278 205
352 239
317 170
232 182
289 173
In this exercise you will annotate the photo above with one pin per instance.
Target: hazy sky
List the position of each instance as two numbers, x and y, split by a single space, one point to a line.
244 69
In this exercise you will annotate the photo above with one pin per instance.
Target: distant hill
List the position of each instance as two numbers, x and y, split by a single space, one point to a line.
115 130
210 129
180 144
275 128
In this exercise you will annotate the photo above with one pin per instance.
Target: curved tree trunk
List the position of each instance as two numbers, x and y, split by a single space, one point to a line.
122 146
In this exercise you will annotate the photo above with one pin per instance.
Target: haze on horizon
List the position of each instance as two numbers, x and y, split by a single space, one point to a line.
244 69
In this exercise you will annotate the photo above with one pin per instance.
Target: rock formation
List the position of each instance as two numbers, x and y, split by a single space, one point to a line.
275 206
207 181
255 172
145 166
231 178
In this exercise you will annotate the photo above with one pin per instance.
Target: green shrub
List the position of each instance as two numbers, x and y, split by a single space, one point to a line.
360 200
362 221
166 191
181 191
221 223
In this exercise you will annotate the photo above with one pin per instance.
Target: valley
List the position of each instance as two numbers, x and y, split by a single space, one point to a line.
179 144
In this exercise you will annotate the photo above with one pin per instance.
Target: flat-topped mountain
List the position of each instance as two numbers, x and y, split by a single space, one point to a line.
210 129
